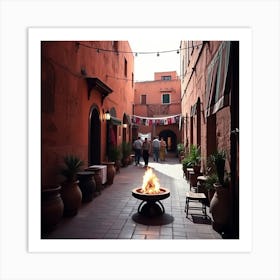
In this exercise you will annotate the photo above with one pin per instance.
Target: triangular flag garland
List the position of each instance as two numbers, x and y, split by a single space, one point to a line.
175 119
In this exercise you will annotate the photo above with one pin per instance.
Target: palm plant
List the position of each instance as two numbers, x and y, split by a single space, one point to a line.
72 165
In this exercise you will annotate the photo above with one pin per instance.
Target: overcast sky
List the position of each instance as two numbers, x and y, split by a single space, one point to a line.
146 64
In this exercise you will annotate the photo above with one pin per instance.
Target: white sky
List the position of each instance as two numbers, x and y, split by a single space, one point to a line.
146 64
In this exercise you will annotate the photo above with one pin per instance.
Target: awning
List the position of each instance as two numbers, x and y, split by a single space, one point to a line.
95 83
193 110
115 121
216 80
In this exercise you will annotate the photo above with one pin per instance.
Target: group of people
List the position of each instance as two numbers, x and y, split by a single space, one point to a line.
144 149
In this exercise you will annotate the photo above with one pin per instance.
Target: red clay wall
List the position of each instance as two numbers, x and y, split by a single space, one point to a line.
154 107
66 107
194 87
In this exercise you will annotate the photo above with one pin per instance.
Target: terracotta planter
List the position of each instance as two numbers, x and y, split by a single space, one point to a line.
111 171
97 177
51 208
118 165
196 169
72 198
210 195
87 185
126 161
220 208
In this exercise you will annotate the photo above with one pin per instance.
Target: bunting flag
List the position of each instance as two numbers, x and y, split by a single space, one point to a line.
180 122
175 119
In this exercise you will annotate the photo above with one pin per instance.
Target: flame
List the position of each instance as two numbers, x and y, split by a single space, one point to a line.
150 182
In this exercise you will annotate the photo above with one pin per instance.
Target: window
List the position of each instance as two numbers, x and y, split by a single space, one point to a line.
143 99
166 78
166 98
132 79
125 67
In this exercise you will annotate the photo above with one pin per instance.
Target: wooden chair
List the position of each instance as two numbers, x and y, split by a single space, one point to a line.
196 197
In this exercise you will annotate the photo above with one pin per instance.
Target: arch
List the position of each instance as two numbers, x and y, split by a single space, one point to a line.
94 146
170 138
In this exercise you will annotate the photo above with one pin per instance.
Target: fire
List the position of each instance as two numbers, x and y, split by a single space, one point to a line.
150 182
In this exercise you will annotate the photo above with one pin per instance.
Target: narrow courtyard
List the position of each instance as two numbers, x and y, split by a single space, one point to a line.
113 213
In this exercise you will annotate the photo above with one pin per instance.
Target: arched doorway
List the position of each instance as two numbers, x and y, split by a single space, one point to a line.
94 136
170 138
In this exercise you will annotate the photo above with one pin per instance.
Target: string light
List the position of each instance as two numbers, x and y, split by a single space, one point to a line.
138 52
83 72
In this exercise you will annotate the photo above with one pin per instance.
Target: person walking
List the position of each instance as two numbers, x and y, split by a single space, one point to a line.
162 149
137 146
146 151
155 146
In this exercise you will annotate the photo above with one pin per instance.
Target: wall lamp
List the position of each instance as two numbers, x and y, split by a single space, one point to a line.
106 116
124 125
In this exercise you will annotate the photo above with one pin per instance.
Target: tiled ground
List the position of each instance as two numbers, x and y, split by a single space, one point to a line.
113 214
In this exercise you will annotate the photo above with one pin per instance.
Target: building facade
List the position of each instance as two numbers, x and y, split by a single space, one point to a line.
210 105
81 81
157 108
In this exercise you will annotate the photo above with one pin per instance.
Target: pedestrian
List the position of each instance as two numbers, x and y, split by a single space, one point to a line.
146 151
162 149
137 146
155 146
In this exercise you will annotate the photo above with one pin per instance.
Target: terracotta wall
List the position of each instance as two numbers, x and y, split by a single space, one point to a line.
154 107
195 59
66 106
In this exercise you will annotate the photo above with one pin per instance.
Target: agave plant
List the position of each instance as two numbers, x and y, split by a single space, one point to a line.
72 166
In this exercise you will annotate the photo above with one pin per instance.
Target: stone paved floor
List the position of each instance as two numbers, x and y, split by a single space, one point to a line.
113 213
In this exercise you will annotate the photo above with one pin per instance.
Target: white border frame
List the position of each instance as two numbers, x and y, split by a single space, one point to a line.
263 18
243 244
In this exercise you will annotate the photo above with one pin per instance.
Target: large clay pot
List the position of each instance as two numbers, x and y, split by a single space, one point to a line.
97 177
118 165
51 208
111 171
220 208
210 194
72 198
87 185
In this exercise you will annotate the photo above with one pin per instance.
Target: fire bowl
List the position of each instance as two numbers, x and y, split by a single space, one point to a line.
151 205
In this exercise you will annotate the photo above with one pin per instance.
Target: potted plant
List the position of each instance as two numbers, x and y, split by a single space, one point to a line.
219 204
126 152
115 155
219 159
180 151
211 179
186 163
195 158
70 192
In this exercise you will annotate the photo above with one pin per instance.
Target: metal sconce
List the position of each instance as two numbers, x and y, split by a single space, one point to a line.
106 116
